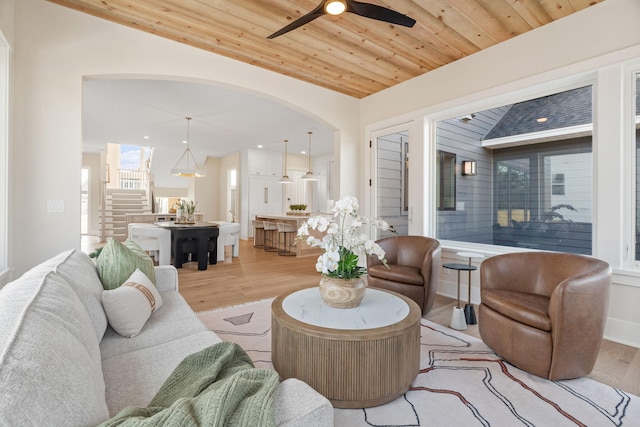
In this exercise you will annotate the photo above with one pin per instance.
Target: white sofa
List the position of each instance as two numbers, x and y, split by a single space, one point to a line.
61 364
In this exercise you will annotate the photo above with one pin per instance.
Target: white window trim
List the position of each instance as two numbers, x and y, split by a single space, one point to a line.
631 121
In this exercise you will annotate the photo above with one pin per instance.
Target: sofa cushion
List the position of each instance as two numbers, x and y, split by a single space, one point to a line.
79 271
117 261
50 370
174 320
129 306
135 377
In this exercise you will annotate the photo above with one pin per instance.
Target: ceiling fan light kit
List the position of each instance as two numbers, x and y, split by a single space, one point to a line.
188 172
336 7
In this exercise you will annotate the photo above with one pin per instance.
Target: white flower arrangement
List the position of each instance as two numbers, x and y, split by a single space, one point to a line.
342 243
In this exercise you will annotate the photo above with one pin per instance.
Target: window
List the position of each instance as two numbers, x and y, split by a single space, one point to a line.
637 136
533 187
557 184
446 181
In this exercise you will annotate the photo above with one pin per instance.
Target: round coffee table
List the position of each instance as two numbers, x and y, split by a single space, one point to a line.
358 357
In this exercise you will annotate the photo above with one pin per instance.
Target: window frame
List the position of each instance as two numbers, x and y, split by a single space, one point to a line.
630 202
5 77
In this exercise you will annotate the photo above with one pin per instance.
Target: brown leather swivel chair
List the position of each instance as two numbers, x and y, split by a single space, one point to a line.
545 312
414 268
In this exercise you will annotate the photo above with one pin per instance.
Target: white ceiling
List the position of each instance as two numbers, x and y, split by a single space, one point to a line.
224 120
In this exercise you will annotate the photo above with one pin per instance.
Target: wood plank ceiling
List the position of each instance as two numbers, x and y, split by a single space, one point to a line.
346 53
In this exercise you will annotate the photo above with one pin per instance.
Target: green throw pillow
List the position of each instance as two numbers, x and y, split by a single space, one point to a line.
117 261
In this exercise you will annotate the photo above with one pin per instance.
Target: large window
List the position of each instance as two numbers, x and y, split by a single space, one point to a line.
533 187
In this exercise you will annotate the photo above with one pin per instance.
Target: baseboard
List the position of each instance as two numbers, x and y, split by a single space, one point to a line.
622 332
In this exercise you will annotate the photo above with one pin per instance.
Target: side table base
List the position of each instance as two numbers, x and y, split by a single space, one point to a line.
458 320
470 314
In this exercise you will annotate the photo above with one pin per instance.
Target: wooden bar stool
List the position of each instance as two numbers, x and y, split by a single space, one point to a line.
286 239
270 230
258 234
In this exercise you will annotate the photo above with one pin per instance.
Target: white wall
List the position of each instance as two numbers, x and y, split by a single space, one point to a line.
206 191
597 44
55 49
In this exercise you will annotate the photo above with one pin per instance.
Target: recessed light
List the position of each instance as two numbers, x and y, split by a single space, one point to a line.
303 152
260 146
146 137
184 141
541 119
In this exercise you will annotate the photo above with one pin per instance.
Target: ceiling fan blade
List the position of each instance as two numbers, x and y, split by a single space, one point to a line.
315 13
379 13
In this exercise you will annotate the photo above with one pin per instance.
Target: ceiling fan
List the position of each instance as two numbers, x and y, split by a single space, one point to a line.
336 7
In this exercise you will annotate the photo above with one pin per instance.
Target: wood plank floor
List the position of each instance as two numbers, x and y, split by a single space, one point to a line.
257 275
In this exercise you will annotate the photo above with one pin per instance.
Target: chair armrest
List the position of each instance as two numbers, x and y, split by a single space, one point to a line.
166 278
432 263
578 312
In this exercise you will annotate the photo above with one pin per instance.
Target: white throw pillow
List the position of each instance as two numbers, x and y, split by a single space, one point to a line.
129 306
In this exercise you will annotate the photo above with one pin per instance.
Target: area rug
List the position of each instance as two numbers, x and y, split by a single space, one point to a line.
461 383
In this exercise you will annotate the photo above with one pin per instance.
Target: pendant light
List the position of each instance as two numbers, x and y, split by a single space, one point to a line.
285 178
309 176
189 172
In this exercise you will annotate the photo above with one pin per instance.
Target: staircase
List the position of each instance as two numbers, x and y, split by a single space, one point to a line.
120 202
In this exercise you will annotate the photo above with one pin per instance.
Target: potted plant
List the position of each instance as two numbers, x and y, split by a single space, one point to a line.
342 284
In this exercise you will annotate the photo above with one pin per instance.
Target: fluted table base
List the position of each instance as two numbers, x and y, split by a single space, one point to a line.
352 368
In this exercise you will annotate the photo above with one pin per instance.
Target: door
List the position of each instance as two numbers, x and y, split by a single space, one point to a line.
390 186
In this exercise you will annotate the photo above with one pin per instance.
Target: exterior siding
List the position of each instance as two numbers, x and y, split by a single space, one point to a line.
389 183
471 220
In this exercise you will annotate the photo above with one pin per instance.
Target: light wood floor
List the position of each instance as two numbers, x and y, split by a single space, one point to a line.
257 275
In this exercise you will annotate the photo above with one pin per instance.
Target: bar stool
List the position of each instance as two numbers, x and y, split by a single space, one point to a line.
258 234
287 232
270 230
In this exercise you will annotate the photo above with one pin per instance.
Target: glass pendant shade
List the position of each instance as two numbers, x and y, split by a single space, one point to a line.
187 171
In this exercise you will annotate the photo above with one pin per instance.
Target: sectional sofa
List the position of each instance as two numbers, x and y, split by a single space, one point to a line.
61 363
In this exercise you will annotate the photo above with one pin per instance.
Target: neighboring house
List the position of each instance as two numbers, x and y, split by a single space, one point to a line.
52 49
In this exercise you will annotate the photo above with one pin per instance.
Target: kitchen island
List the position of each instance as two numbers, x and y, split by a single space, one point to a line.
301 248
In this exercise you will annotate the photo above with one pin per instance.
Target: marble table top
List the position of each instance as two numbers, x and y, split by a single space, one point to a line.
377 309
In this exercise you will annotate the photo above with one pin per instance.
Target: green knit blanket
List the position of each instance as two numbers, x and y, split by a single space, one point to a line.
217 386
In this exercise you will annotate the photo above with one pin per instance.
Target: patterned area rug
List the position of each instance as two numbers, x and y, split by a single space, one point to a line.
461 383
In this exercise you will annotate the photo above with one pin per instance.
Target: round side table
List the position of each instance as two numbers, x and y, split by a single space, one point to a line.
469 313
458 321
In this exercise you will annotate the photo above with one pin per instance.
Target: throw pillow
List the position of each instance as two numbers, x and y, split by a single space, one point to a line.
129 306
118 261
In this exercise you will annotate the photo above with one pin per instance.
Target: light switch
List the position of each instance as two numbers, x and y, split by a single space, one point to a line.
55 205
